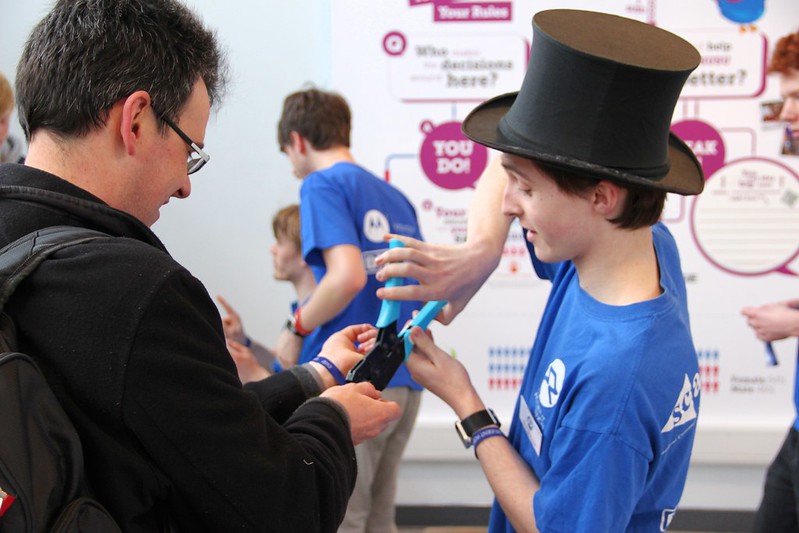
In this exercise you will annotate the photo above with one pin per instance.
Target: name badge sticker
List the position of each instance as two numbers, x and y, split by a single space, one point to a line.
530 425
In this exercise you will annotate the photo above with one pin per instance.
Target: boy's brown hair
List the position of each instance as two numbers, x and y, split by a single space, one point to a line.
786 54
642 208
322 117
286 223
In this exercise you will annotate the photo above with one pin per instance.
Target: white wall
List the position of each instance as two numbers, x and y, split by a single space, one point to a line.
223 232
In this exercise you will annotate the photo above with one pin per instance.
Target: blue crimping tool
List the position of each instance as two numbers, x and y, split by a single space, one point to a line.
391 348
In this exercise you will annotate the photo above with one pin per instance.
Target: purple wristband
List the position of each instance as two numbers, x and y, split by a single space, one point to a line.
333 369
485 433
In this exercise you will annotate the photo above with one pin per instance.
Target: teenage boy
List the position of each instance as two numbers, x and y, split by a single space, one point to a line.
345 212
254 360
602 431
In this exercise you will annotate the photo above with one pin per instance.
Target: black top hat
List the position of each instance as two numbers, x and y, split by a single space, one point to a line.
597 100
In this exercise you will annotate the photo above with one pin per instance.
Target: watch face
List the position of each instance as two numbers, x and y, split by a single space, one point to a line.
469 425
479 420
465 438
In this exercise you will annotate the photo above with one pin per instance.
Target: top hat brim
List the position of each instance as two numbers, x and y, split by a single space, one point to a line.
684 175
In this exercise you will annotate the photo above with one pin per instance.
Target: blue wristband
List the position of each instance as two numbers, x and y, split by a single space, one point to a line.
333 369
485 433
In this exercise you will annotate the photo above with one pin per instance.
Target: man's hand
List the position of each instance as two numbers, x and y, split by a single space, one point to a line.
367 340
340 348
452 272
773 321
369 415
231 323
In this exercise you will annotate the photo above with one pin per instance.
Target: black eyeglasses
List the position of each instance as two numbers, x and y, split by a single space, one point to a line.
196 160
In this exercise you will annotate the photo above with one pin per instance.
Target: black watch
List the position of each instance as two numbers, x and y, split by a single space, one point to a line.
292 326
469 425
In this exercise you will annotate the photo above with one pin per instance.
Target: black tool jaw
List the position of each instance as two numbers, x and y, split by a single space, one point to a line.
382 361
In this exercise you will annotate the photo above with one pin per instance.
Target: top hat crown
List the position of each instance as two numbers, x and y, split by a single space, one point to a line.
597 100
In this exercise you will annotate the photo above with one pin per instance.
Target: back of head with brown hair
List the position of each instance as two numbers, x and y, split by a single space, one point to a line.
322 117
77 63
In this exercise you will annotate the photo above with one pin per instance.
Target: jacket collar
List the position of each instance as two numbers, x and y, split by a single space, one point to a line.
21 183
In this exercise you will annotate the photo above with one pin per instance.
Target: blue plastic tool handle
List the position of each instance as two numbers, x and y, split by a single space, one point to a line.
390 309
422 319
771 357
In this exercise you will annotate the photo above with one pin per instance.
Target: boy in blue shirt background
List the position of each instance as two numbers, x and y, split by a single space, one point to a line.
345 212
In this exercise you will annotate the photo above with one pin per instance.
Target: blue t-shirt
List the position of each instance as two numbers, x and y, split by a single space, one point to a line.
345 204
608 405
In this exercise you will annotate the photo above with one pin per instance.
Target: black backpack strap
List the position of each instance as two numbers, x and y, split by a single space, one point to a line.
21 257
41 457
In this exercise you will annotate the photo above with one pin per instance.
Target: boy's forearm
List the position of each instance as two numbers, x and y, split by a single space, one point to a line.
344 279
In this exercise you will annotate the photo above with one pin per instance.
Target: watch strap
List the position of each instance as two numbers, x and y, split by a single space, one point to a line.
467 427
291 325
478 420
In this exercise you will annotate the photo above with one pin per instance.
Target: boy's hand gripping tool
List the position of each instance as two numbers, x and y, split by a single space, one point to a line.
391 348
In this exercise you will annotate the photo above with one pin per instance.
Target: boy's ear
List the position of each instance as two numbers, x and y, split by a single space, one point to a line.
297 142
608 198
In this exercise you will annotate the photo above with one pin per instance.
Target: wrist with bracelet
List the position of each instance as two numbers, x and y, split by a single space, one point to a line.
477 427
332 368
484 433
294 325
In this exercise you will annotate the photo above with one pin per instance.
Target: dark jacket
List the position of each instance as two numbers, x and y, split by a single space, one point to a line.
133 347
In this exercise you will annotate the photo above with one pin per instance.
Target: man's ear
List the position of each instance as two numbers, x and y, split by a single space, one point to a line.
608 198
135 109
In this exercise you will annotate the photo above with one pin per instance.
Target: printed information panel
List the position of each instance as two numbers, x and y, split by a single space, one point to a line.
431 62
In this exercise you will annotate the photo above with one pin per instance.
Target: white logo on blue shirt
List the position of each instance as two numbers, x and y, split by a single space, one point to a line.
685 409
375 225
666 517
552 383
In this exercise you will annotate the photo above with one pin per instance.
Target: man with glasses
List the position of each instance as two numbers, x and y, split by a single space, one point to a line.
129 341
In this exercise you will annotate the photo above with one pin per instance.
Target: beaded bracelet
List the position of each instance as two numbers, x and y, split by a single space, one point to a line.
333 369
485 433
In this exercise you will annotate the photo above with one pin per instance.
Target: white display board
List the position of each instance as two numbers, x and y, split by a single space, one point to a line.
412 70
405 99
